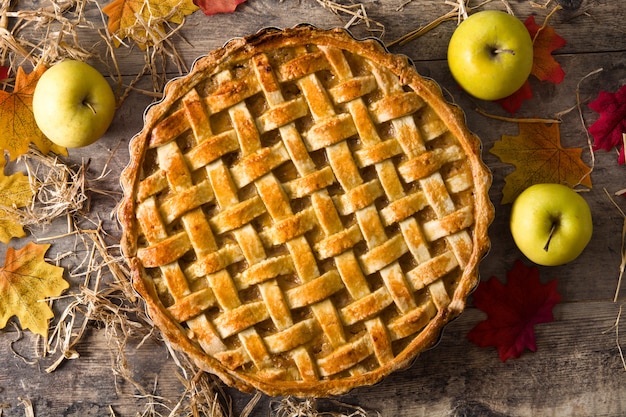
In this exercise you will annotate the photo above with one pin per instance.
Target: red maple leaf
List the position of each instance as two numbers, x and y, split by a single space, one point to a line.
513 102
545 67
4 72
211 7
608 130
513 310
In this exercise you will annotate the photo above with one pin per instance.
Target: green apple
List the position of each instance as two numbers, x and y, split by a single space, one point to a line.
490 54
73 104
551 224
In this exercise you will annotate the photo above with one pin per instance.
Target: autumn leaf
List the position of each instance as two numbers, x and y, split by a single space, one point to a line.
513 309
539 157
17 123
129 18
545 41
545 67
608 129
211 7
15 192
26 280
4 72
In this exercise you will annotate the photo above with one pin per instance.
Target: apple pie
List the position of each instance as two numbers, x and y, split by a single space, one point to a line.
303 212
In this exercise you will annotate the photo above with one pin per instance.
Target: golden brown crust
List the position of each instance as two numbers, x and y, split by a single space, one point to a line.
303 212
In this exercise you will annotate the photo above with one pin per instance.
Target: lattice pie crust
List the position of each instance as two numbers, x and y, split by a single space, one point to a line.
303 212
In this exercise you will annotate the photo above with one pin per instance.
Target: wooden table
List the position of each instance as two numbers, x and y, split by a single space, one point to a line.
577 368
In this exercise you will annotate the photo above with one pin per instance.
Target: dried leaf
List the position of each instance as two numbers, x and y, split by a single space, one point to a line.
545 41
608 129
539 157
143 21
211 7
26 280
15 192
513 309
17 123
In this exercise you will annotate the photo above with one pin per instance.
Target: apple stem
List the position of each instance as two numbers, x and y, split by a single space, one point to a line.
90 106
550 236
504 51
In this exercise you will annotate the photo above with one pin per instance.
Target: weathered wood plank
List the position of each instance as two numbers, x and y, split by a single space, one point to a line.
575 371
602 22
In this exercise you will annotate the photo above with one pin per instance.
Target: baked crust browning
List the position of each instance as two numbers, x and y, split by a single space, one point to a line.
303 212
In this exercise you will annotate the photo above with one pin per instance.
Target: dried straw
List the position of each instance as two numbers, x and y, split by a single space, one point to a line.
59 24
308 407
28 407
460 11
517 119
620 276
356 14
62 28
59 190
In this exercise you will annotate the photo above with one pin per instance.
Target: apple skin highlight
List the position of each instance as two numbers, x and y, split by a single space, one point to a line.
551 224
73 104
490 54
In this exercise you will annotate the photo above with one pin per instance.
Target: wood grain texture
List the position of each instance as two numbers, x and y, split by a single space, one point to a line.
576 370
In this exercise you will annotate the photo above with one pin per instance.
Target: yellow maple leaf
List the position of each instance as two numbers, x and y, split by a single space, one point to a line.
17 123
539 158
15 192
26 280
130 18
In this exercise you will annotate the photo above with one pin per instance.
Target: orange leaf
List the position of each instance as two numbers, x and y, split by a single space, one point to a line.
15 192
25 281
129 18
539 158
17 123
545 41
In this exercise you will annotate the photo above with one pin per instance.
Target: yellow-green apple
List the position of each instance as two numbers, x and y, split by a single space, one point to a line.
73 104
551 224
490 54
